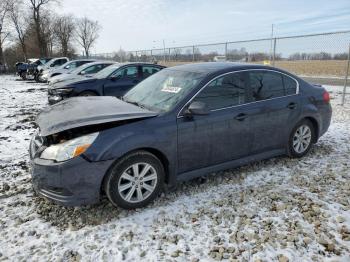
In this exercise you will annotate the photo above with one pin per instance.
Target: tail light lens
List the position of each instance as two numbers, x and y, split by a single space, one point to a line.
326 97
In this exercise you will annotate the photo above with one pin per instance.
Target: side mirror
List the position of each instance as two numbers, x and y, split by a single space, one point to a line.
82 73
197 108
115 78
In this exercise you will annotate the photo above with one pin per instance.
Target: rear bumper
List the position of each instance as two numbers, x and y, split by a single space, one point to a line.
326 117
71 183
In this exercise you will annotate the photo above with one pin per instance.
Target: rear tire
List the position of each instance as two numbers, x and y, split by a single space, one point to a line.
135 180
24 75
301 139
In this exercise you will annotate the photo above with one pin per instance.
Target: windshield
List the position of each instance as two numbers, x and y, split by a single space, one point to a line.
106 72
163 90
77 70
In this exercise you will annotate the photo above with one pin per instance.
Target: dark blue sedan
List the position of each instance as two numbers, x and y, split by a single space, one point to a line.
178 124
114 80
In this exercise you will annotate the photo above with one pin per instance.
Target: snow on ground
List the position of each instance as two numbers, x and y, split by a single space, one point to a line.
280 209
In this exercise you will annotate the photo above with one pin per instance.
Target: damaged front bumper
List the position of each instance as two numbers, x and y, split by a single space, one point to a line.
70 183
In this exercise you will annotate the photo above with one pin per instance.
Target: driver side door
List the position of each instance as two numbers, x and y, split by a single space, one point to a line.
122 81
221 135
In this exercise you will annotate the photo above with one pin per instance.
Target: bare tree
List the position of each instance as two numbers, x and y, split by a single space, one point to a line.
17 17
36 7
87 33
4 8
64 30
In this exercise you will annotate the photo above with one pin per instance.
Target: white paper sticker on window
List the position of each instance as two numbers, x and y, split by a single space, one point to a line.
171 89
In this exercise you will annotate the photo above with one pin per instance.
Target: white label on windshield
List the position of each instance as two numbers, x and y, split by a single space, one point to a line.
171 89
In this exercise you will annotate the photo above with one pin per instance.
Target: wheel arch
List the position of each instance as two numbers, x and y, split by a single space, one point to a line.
315 125
156 152
88 91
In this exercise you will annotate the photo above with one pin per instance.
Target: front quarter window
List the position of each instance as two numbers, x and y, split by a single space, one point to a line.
164 90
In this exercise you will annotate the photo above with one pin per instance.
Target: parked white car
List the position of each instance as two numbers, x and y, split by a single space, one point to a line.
53 63
80 72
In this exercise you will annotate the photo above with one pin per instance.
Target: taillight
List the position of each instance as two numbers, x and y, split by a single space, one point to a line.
326 97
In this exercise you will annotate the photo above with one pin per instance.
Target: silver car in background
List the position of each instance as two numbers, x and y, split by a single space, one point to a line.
86 70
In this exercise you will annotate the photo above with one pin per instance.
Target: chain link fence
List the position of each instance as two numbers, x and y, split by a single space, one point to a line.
321 58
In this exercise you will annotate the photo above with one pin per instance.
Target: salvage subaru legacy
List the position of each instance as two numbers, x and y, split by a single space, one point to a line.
179 123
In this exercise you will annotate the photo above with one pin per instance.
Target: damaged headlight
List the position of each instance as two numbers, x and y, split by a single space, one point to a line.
62 90
69 149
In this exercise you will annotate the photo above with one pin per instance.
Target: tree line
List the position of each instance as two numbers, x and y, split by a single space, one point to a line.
29 28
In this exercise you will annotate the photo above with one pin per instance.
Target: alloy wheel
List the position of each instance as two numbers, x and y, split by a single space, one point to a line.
137 182
302 139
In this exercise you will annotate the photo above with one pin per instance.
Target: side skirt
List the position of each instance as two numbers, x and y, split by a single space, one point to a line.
230 164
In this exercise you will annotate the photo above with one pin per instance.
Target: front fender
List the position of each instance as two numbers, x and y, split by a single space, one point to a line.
116 142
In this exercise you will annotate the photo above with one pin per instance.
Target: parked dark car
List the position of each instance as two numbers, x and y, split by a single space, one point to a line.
25 69
178 124
114 80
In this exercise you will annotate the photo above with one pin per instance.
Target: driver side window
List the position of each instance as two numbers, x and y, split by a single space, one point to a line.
225 91
127 72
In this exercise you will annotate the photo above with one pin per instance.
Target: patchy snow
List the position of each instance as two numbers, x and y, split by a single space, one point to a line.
275 210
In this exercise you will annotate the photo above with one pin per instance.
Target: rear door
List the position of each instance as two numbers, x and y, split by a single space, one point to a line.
122 80
275 107
223 134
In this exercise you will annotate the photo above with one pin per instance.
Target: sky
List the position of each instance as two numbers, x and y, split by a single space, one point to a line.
144 24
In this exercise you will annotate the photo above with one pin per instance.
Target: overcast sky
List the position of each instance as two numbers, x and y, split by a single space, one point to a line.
143 24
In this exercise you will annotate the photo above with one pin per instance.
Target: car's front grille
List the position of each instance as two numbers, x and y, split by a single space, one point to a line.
37 144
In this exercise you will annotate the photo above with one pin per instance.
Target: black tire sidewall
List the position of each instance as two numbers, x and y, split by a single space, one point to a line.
112 178
291 150
87 93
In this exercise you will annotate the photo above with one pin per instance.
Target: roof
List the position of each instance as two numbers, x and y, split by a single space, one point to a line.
140 63
212 67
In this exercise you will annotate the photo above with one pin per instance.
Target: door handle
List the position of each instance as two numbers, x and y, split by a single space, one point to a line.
292 105
241 117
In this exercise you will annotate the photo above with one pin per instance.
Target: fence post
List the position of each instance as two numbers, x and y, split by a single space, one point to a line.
346 78
226 51
193 54
169 54
274 52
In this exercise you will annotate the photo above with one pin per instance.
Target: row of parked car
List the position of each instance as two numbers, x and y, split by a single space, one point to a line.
166 125
86 77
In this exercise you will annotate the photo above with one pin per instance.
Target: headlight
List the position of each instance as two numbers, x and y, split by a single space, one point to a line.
62 90
69 149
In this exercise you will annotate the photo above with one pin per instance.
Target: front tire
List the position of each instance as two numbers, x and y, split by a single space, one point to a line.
135 180
87 93
301 139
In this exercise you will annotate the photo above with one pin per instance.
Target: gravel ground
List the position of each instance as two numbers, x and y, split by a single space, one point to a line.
280 209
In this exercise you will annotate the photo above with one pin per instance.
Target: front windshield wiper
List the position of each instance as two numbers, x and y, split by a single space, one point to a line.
132 102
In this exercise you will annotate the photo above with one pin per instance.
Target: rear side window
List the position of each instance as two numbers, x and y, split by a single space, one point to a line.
290 85
225 91
265 85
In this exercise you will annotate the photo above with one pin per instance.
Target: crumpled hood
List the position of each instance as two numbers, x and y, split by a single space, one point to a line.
84 111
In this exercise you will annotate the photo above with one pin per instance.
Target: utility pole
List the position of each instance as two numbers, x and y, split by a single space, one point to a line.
271 44
164 51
